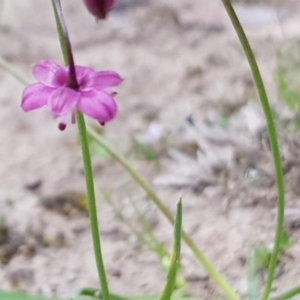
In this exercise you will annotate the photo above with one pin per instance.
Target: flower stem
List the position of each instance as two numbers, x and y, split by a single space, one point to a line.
72 83
273 142
92 203
208 266
65 43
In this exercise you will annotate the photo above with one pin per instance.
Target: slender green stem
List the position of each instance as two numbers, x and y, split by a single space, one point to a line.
289 294
72 83
92 203
65 44
58 20
214 274
273 142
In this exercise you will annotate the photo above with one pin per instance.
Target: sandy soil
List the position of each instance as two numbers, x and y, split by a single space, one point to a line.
184 69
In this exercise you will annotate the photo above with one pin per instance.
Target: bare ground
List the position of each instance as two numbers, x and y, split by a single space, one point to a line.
185 74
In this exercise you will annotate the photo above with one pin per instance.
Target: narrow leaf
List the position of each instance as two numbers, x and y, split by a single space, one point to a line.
288 295
6 295
175 257
92 293
252 267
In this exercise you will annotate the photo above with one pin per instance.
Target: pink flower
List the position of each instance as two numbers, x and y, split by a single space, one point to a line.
99 8
92 97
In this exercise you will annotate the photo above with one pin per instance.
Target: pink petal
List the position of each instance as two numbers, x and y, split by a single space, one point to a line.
50 74
98 105
63 101
35 96
99 80
83 74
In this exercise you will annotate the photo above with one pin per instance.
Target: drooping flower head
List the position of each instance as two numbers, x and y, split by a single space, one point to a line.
99 8
92 97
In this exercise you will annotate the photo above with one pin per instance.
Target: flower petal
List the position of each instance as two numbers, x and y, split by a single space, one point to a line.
83 74
98 105
35 96
63 101
50 74
99 80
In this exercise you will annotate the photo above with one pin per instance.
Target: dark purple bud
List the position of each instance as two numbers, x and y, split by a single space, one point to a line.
62 126
99 8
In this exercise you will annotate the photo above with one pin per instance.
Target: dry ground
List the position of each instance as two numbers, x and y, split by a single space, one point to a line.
185 74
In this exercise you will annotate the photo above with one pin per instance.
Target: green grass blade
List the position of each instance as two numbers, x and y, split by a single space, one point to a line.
146 238
288 295
92 293
252 267
6 295
175 257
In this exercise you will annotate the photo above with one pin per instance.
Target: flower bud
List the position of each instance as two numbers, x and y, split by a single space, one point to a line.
99 8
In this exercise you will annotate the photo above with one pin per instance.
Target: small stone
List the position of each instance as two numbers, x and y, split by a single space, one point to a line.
33 185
